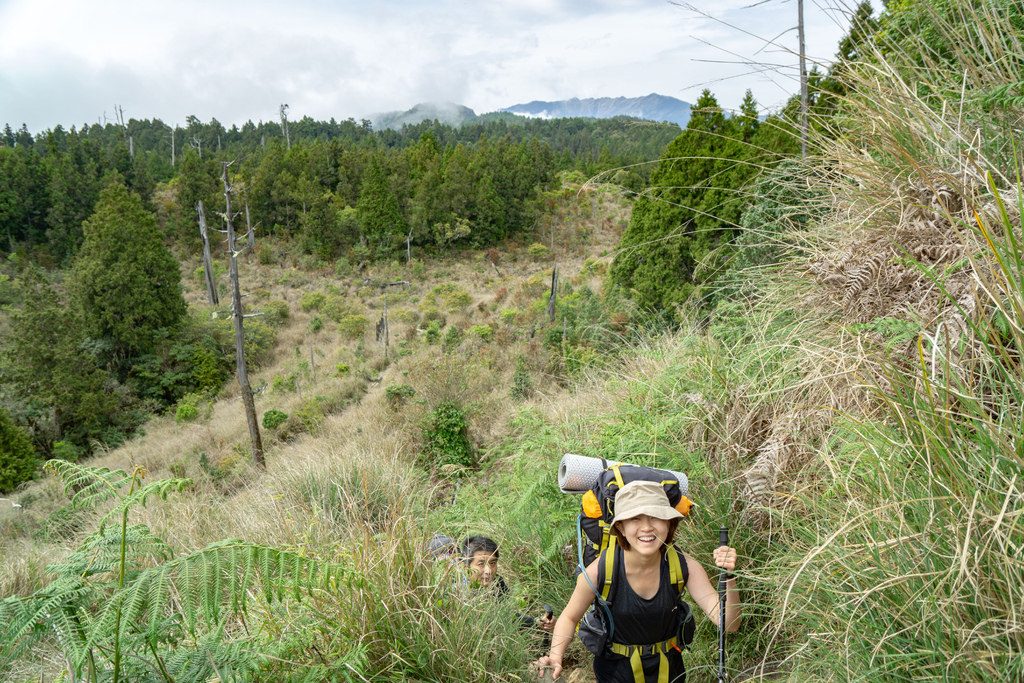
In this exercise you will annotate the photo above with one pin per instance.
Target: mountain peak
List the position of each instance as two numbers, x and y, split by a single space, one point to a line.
652 107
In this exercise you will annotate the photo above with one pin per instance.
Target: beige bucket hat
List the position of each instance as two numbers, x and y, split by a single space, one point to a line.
643 498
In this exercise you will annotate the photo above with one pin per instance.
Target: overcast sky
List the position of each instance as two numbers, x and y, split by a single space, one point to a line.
70 62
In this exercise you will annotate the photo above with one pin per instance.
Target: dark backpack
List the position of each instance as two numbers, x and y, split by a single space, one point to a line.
598 504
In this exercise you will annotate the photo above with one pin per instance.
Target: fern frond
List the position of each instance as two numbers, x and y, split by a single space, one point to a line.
101 551
161 488
208 582
26 619
87 486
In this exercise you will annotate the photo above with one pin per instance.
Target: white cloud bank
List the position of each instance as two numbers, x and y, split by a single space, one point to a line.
69 63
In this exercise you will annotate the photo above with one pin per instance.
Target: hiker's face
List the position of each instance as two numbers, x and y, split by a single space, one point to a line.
645 534
483 567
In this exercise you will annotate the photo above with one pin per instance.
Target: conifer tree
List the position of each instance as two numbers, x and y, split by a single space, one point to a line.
692 208
380 215
17 457
124 281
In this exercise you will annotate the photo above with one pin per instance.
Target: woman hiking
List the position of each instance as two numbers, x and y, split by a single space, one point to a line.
643 596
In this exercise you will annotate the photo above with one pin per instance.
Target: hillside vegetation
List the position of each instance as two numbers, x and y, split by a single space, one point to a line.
838 370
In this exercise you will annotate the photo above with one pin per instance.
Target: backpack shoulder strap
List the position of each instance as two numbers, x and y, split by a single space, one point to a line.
678 571
606 570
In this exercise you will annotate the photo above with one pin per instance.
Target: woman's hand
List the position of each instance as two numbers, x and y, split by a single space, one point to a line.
725 558
547 662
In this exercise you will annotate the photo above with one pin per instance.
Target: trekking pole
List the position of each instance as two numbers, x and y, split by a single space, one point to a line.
723 577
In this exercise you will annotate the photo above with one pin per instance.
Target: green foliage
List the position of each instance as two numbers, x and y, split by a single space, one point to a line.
446 446
282 383
124 281
448 296
484 333
343 369
679 234
380 216
433 333
187 410
48 367
522 386
17 456
538 252
398 394
276 312
353 326
452 339
312 301
117 616
273 417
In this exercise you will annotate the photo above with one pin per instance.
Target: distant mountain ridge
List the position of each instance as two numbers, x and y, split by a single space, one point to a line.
653 107
448 113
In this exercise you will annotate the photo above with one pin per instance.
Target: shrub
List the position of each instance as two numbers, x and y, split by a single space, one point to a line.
398 394
501 294
312 301
508 316
538 252
187 410
273 417
449 296
446 446
337 308
522 387
453 338
343 369
65 450
483 332
316 324
353 326
433 334
284 383
17 456
276 312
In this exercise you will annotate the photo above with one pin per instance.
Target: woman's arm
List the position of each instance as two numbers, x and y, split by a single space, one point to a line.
565 628
706 595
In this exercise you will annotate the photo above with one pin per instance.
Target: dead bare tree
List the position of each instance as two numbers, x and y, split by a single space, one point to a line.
236 309
211 285
554 288
283 111
249 232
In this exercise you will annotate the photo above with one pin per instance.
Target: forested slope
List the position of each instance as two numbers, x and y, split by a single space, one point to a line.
830 348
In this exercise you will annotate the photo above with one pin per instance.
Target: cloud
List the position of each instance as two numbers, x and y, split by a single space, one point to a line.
65 62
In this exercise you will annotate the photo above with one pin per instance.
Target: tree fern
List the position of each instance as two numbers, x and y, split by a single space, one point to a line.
115 619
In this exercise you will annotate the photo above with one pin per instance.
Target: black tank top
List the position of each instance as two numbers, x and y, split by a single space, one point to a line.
640 622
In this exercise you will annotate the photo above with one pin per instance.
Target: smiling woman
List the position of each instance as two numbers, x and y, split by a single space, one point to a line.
640 623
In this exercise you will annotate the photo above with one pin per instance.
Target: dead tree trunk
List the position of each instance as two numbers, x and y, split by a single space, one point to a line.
554 288
250 235
236 309
211 285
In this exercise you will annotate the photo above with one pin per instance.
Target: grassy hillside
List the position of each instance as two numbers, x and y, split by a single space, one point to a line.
852 412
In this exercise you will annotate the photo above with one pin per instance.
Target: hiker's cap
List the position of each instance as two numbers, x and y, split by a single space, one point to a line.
643 498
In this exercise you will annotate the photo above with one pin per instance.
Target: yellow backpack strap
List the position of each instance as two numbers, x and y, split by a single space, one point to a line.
675 569
636 652
608 555
618 475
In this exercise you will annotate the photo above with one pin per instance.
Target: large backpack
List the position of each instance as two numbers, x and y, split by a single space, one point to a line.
597 629
598 504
